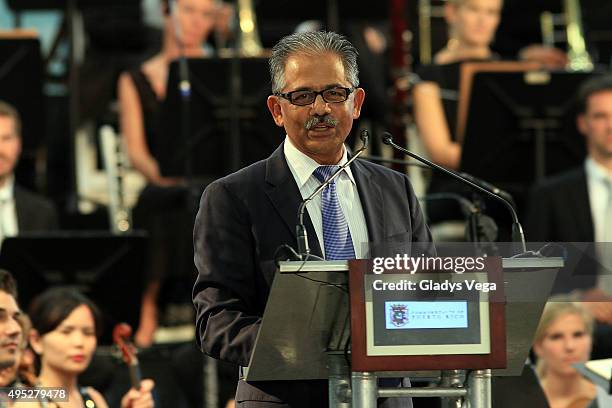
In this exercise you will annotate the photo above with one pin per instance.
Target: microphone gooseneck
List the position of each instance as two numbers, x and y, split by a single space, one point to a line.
488 186
517 229
303 248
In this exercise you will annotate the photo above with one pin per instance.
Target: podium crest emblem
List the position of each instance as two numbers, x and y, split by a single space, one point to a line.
399 315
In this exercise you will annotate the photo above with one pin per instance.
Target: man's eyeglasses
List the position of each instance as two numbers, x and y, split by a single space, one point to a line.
335 94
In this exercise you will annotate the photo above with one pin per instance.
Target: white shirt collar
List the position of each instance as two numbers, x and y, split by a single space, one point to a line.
303 165
7 190
596 172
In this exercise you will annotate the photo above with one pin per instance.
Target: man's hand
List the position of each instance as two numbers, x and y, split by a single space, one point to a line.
141 398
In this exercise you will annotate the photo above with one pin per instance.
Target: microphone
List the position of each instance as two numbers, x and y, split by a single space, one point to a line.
380 159
300 228
517 229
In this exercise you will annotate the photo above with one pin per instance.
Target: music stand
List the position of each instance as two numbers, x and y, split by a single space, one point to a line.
520 125
210 145
107 268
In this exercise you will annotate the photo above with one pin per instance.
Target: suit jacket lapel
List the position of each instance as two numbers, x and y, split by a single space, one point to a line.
371 201
21 211
582 207
283 192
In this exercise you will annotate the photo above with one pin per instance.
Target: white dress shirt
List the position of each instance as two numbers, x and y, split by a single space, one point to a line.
8 213
598 198
599 184
302 167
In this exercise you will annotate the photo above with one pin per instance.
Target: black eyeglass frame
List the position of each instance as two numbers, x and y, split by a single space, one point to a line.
287 95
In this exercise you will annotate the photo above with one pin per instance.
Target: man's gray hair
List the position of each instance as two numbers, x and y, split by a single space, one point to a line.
312 43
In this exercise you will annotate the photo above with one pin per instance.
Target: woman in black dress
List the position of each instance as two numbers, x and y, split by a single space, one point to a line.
162 208
471 26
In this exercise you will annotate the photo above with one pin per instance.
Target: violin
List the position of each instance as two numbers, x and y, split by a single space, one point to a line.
121 337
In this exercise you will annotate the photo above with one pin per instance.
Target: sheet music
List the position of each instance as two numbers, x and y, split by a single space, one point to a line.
603 368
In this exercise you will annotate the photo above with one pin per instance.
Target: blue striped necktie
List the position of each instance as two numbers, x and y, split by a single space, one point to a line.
336 235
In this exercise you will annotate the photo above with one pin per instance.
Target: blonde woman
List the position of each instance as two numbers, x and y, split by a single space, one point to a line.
162 208
471 26
563 339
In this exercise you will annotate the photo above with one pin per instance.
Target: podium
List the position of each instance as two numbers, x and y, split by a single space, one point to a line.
310 322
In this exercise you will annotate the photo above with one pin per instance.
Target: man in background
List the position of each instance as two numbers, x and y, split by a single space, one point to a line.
20 210
576 206
11 331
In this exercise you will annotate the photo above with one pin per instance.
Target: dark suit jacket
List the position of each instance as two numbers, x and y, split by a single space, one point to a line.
560 211
34 212
242 220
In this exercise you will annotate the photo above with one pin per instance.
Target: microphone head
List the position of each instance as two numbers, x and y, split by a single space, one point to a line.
387 138
365 137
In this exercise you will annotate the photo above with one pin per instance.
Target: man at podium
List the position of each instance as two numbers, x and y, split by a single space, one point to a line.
245 217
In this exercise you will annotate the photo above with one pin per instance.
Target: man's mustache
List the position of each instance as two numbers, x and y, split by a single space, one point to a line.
315 120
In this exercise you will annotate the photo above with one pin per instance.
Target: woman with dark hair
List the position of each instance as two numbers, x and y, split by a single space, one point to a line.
65 326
